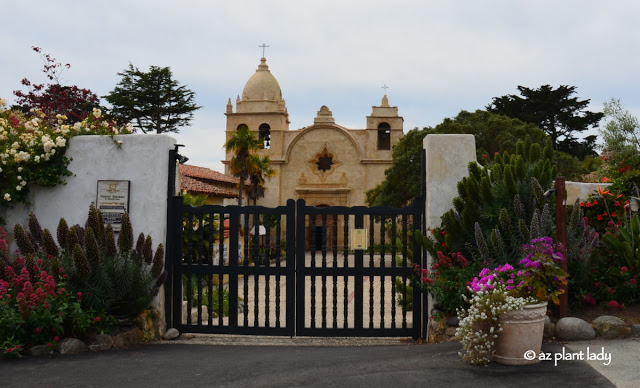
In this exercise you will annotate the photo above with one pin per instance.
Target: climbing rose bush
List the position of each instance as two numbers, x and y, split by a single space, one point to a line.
32 148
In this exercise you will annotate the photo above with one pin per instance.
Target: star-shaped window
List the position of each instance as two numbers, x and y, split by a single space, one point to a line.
324 163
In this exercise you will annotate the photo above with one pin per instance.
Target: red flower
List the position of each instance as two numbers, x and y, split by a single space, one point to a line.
582 204
611 290
485 156
624 269
96 319
632 281
79 294
599 218
38 330
56 338
49 345
617 203
613 305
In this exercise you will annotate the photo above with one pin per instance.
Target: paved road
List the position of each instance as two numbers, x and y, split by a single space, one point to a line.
187 365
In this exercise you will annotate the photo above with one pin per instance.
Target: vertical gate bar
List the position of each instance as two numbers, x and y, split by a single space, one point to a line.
335 265
420 301
346 265
176 261
404 265
394 227
267 250
199 261
245 276
312 227
189 267
233 252
278 265
324 266
359 272
256 284
371 265
209 256
221 260
169 241
290 279
383 278
297 316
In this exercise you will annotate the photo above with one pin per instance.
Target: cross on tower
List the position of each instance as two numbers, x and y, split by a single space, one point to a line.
263 47
385 87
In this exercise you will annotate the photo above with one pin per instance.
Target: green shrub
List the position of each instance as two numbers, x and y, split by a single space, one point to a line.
112 277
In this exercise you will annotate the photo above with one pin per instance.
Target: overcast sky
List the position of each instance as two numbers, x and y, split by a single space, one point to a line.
437 57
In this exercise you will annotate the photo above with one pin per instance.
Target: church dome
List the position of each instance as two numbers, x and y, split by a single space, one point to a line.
262 85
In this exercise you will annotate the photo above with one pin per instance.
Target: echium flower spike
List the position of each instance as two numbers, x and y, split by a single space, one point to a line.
35 229
518 209
481 242
80 261
93 222
62 232
534 230
55 267
509 181
100 232
140 244
22 239
49 245
125 240
158 262
519 168
72 238
110 249
147 250
537 193
93 252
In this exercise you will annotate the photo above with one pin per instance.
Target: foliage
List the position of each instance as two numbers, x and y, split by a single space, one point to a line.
206 298
555 112
200 230
243 143
493 133
447 279
55 99
152 101
499 207
621 143
121 281
260 171
402 180
32 150
36 308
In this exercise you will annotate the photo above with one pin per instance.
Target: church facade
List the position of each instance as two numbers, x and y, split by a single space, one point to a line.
325 164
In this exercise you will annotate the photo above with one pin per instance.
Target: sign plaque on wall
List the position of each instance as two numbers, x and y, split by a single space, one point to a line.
113 201
359 239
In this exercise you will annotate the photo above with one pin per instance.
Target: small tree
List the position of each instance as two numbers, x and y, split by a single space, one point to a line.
621 138
55 99
242 143
555 112
152 101
260 173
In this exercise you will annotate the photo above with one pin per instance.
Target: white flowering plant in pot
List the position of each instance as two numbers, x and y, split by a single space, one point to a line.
32 148
503 289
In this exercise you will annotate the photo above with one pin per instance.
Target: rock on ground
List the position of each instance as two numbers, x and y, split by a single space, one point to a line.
71 346
574 329
171 334
608 327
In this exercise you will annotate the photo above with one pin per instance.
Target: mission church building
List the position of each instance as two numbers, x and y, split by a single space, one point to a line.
325 164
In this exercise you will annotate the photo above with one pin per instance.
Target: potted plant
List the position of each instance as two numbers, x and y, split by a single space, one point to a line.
508 306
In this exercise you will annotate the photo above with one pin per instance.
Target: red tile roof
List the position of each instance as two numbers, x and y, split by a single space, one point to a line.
205 173
195 186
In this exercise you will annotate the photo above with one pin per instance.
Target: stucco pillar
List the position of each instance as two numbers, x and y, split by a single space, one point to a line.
447 161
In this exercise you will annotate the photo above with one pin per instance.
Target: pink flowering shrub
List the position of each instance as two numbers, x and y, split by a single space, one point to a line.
35 306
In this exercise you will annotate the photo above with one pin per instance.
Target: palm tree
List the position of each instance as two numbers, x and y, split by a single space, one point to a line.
243 143
261 171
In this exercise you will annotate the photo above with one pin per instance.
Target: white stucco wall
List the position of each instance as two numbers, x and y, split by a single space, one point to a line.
142 159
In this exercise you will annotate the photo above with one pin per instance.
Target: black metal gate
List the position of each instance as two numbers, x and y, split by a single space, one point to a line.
292 270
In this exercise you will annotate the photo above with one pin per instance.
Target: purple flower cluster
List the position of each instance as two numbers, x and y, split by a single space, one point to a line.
540 247
502 275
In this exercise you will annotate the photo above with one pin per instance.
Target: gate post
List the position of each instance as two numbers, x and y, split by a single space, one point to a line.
168 255
300 262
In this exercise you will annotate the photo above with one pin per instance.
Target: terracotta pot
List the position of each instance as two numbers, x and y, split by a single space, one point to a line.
522 331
